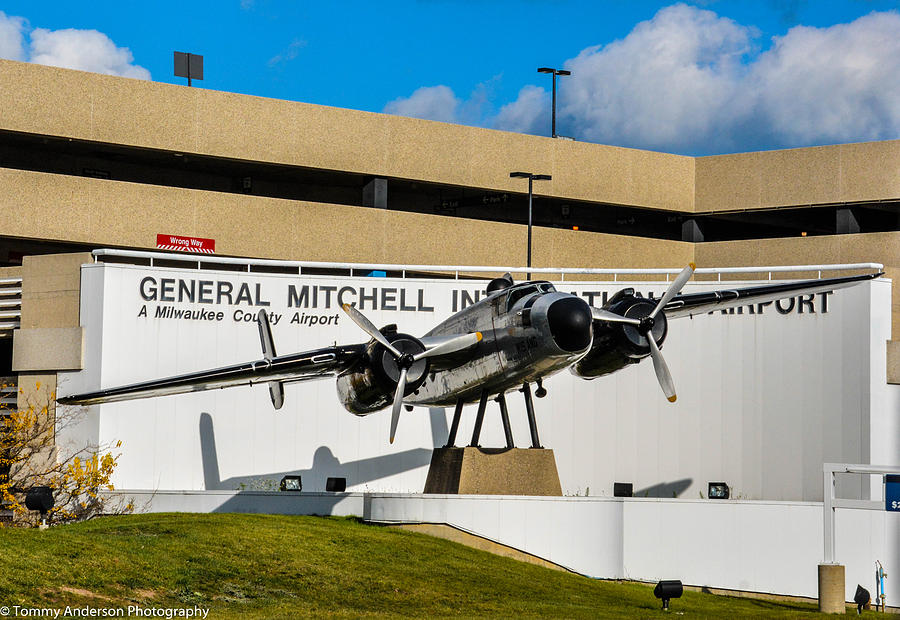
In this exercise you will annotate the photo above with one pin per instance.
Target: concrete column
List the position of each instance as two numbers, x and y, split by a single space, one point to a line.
375 193
690 231
893 362
50 336
831 589
846 222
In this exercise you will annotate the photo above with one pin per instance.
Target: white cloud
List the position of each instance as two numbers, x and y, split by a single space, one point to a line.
86 50
436 103
690 81
12 42
670 84
288 54
529 113
834 84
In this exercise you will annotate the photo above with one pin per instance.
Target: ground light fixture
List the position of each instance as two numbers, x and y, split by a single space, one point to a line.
555 72
40 499
718 490
336 485
291 483
861 598
623 489
531 179
668 589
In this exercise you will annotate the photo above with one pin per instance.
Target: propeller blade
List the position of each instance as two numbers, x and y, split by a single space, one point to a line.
265 335
605 315
367 326
662 370
674 289
398 403
451 346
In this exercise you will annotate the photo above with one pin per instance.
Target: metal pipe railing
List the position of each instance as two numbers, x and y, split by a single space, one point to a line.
830 502
457 269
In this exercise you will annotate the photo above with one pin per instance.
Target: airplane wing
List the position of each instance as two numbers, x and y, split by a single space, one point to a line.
276 370
700 303
307 365
674 305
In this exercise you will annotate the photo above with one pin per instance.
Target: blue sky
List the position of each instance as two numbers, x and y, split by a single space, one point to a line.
694 78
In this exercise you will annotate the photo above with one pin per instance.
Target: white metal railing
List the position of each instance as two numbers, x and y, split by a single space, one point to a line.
10 305
830 502
9 392
199 260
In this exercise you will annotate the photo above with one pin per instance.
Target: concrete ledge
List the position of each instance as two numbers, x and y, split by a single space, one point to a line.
247 502
48 348
893 362
448 532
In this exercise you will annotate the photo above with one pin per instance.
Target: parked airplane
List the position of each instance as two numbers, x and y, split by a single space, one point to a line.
517 335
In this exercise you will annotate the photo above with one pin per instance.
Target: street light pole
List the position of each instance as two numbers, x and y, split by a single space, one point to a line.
555 72
531 179
530 195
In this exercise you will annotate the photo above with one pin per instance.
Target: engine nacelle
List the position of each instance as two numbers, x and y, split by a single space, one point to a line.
616 345
369 385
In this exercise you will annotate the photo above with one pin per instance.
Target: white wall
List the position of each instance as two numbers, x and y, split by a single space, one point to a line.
764 400
770 547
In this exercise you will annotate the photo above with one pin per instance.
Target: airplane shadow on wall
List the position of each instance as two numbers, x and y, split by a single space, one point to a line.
665 489
361 471
324 465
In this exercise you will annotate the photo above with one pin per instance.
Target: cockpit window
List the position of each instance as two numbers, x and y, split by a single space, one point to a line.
546 287
518 293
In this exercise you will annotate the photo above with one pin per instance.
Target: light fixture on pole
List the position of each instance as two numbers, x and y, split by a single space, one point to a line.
189 66
531 179
555 72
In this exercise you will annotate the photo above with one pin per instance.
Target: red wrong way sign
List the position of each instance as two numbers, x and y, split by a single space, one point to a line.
186 244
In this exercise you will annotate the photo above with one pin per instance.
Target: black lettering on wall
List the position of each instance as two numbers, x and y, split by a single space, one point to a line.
148 289
806 301
781 309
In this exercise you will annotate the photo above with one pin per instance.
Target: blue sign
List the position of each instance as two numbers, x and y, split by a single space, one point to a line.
892 492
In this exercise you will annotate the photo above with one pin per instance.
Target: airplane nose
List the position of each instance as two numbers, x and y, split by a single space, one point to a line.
570 323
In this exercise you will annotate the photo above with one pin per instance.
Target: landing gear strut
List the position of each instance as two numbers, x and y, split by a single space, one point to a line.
457 413
479 420
504 418
529 408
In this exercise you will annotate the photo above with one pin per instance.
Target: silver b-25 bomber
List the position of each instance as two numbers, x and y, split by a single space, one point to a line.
517 335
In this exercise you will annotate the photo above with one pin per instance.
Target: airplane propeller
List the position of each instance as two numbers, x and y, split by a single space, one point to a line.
659 363
405 361
645 325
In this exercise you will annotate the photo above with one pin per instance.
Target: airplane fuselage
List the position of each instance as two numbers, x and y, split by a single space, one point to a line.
524 340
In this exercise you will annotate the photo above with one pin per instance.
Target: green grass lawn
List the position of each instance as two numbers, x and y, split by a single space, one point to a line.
282 566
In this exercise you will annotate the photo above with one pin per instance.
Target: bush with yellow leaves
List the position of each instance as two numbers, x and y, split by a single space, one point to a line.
29 457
